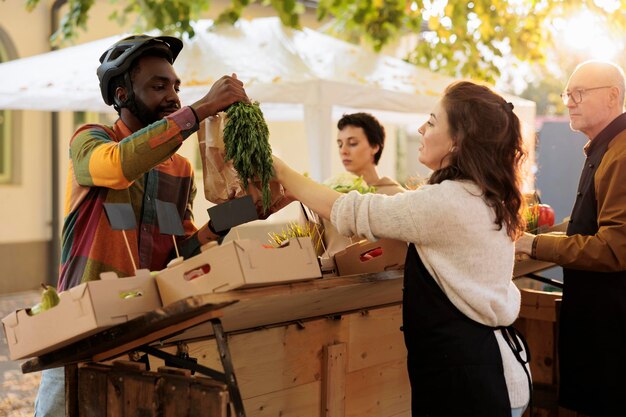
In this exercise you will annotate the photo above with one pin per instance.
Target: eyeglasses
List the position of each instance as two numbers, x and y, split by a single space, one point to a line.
577 95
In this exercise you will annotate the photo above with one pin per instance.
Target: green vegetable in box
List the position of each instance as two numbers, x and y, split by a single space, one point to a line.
346 182
246 141
131 294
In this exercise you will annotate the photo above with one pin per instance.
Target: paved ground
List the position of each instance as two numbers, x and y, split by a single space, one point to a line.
17 390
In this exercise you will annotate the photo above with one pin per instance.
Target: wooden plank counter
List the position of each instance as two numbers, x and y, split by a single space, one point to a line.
287 303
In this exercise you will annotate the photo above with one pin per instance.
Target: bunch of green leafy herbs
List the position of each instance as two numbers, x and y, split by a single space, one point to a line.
246 141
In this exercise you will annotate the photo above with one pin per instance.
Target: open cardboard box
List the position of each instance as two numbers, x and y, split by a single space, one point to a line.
238 264
527 265
367 257
82 311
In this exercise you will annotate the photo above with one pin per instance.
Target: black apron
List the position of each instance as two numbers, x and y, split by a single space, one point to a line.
454 363
592 330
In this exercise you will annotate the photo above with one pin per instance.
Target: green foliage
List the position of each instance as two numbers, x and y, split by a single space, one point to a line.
378 21
232 13
473 38
246 141
470 38
169 16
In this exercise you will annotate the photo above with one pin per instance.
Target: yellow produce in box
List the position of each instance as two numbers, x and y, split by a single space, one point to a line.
49 299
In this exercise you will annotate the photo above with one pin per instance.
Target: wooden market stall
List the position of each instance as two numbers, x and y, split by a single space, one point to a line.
324 347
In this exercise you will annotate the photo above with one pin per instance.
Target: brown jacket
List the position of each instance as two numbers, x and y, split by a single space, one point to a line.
593 256
604 251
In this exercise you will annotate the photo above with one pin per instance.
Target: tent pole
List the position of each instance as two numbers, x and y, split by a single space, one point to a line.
319 136
55 249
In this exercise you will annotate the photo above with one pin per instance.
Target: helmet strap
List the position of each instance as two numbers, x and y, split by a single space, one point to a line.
129 102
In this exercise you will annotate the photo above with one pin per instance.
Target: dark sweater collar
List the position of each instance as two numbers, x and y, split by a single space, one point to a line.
606 135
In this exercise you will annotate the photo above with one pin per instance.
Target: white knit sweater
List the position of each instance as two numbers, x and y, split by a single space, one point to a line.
454 233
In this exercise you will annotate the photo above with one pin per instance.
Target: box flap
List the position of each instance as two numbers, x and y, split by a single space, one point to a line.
244 244
10 320
78 292
108 275
142 273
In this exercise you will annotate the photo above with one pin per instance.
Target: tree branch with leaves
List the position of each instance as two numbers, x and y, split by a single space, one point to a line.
473 38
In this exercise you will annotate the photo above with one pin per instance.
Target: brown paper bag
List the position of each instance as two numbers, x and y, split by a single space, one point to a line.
221 181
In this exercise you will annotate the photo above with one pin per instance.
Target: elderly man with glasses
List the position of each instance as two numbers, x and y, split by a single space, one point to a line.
592 336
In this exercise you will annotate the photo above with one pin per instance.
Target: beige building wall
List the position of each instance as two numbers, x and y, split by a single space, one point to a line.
25 203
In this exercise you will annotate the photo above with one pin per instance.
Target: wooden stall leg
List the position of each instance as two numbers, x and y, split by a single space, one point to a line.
71 390
227 364
334 381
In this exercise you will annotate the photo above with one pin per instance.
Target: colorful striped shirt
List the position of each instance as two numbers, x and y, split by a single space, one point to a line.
111 164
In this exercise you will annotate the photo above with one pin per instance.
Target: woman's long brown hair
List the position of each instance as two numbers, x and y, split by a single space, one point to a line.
488 150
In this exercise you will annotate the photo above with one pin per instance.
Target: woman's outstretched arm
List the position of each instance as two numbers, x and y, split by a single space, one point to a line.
317 197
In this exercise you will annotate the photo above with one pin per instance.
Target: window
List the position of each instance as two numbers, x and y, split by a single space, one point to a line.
6 152
7 139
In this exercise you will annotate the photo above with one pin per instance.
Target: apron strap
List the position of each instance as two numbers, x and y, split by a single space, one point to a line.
513 338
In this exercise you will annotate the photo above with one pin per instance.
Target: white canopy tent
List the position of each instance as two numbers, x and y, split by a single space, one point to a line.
277 65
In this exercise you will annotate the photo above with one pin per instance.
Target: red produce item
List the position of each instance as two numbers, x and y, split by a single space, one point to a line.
545 215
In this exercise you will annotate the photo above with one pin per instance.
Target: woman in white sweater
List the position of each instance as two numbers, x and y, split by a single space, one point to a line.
458 299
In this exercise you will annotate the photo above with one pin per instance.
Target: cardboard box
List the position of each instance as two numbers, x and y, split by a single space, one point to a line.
82 311
238 264
368 257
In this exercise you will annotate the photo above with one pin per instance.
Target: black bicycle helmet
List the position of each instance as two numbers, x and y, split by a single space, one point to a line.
120 56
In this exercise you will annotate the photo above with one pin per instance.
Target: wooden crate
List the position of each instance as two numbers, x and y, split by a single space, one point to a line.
124 390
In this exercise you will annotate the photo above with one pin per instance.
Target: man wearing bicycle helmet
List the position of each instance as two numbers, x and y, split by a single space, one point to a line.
135 162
